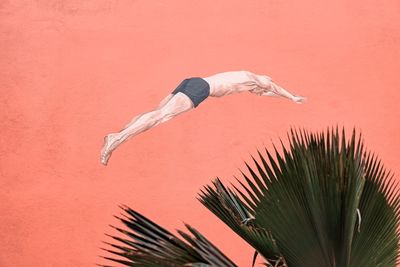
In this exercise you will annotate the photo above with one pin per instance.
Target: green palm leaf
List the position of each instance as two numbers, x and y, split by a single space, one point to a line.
147 244
323 202
240 218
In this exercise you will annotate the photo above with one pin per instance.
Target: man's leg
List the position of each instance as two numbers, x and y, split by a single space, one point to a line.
162 103
175 105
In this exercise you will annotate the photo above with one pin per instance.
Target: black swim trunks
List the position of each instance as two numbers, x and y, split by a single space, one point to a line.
195 88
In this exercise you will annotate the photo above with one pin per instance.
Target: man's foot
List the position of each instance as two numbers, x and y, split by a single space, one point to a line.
108 148
299 99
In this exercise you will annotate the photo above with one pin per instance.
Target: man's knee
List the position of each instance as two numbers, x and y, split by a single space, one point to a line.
159 115
153 118
166 116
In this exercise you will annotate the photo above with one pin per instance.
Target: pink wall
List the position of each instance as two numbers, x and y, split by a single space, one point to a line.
72 71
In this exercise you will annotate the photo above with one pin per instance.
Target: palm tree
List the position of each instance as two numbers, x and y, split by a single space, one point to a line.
323 201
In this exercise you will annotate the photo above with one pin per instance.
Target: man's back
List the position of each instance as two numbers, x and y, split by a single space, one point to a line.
226 83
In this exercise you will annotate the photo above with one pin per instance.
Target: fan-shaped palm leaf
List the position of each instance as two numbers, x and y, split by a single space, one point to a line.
324 202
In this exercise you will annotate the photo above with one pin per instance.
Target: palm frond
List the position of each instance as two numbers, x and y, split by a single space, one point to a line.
379 213
323 202
146 244
240 218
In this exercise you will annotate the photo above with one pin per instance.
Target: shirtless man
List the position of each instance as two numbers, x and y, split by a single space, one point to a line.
188 95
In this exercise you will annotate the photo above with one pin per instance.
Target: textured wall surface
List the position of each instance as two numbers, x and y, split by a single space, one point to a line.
72 71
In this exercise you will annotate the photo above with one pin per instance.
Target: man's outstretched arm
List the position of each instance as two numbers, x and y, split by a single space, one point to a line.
275 90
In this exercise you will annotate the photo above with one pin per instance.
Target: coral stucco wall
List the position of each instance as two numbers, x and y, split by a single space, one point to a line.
72 71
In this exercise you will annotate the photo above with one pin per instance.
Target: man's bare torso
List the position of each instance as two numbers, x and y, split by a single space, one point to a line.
235 82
